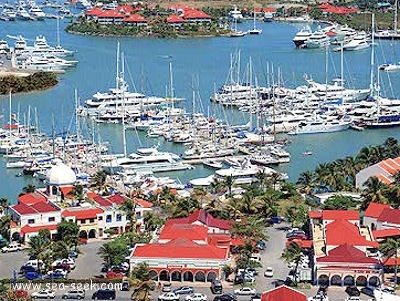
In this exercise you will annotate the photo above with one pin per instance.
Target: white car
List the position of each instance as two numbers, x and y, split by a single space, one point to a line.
58 271
43 294
196 297
168 297
245 291
269 272
11 248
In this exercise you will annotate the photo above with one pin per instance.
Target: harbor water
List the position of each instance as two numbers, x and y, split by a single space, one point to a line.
200 65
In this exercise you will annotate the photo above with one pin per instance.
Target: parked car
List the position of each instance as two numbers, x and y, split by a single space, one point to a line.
43 294
352 298
248 278
251 271
294 233
27 268
171 296
216 286
225 297
196 297
11 248
166 287
183 290
269 272
352 291
245 291
114 275
74 294
105 294
368 290
297 236
21 294
32 275
261 245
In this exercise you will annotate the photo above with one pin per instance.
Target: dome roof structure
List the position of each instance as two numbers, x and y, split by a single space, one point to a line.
60 174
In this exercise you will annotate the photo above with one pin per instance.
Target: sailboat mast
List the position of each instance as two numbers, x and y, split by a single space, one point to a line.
341 64
395 16
171 80
123 105
10 120
371 82
58 31
117 73
76 115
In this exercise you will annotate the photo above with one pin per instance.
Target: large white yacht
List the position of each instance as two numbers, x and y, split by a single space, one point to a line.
146 159
302 36
359 42
235 15
37 13
318 39
322 125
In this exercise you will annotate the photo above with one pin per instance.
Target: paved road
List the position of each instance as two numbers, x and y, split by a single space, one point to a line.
10 262
88 263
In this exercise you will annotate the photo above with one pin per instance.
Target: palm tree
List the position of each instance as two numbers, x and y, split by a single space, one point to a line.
5 222
293 253
228 182
39 246
306 181
296 215
106 253
373 192
390 248
29 188
129 206
3 204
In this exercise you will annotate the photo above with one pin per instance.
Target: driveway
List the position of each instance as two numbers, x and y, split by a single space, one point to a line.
88 263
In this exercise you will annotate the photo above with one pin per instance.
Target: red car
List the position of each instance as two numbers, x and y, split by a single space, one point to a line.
20 294
297 236
114 275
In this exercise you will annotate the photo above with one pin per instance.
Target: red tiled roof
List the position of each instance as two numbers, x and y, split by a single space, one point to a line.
82 214
67 189
384 179
35 229
326 7
347 253
195 14
111 14
340 214
175 19
265 10
102 201
204 217
390 261
95 11
188 231
13 224
117 199
143 203
91 194
341 232
315 214
283 293
40 207
180 248
31 198
375 209
135 18
383 233
390 215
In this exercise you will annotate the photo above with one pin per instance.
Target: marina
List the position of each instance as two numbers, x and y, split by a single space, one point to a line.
148 72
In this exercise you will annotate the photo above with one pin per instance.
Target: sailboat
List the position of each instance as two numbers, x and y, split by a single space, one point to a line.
235 33
255 30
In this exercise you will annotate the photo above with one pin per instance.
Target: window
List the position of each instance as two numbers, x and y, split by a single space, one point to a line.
118 217
52 219
100 218
108 218
91 220
31 221
83 221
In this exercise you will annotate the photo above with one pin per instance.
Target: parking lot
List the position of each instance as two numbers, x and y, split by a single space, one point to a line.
89 264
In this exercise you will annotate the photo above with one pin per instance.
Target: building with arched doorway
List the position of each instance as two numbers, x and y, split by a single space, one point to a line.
181 259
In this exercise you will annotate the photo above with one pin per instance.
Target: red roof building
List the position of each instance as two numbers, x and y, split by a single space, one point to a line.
31 198
181 259
196 16
384 171
102 202
331 215
283 293
175 20
81 214
202 217
349 255
135 19
375 209
94 12
386 233
389 217
196 233
110 16
126 9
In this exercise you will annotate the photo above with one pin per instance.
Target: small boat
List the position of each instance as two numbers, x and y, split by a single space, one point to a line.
307 153
254 30
213 164
389 67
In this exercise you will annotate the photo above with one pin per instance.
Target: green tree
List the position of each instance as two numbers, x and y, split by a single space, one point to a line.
128 207
228 182
68 232
297 215
60 249
390 249
39 246
29 188
340 202
293 253
152 221
114 252
141 272
4 203
5 222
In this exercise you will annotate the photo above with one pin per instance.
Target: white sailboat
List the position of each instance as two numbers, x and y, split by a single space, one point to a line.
255 30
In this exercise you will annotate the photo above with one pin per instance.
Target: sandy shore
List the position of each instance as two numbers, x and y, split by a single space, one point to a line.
13 72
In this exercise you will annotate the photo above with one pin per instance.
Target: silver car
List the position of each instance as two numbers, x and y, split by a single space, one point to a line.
74 294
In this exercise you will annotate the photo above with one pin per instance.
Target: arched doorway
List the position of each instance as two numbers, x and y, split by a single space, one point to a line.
16 236
153 275
323 280
211 276
336 280
374 281
361 281
188 276
83 234
164 275
176 276
200 277
373 226
348 280
92 233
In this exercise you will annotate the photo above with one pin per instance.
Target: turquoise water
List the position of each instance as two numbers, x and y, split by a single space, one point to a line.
198 64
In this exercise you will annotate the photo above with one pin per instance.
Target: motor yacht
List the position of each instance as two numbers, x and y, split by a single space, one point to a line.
322 125
302 36
318 39
359 42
